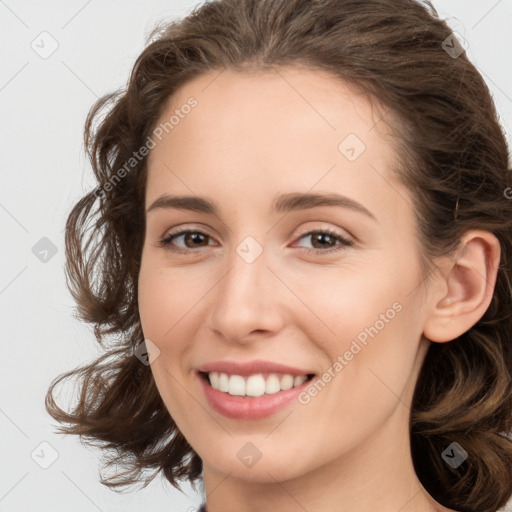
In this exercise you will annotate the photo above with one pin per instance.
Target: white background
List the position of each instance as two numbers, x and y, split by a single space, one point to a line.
43 105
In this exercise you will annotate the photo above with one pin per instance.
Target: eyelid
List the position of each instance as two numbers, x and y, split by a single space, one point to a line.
186 227
324 226
194 227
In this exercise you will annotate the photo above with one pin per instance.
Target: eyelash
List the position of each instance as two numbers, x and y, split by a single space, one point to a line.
166 241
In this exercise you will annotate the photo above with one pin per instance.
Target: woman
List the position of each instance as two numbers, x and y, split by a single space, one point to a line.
366 370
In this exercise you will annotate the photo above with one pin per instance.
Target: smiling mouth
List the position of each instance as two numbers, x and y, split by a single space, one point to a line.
254 385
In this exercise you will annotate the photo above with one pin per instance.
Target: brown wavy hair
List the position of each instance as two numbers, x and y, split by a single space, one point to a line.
453 157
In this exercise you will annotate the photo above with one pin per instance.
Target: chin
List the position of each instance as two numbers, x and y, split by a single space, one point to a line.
263 468
262 472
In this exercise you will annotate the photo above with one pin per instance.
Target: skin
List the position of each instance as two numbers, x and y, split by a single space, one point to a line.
251 137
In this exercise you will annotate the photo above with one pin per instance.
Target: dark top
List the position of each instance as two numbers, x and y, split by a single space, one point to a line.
203 508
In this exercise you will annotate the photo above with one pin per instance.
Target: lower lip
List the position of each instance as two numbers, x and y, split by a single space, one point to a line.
249 408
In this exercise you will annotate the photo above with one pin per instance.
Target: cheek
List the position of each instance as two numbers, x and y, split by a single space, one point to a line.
165 296
163 305
374 357
345 305
169 299
373 326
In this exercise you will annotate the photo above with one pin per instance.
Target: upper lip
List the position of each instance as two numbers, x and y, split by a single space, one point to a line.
251 368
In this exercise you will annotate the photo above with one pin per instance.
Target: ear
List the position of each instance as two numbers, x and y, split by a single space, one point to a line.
464 290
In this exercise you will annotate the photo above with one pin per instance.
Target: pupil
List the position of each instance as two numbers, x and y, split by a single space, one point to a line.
322 236
194 236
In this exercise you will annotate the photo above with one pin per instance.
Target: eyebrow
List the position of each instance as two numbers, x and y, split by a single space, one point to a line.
282 204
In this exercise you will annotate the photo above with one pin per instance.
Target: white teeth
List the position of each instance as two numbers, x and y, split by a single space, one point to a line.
223 382
286 382
272 385
214 379
254 385
299 380
236 385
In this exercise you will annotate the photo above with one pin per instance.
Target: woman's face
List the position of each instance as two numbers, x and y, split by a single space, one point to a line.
252 283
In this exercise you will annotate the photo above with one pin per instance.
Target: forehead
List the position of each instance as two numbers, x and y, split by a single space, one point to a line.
261 131
265 101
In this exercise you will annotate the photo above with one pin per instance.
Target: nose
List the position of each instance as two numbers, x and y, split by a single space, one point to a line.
246 304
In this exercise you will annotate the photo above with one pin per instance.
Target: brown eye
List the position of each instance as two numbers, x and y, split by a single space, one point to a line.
325 241
191 238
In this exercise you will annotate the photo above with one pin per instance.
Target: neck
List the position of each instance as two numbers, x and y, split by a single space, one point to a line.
377 475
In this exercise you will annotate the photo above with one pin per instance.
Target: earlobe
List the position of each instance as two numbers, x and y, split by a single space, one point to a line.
462 295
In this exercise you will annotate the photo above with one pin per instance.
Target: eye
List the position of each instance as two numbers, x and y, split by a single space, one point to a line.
325 240
193 239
